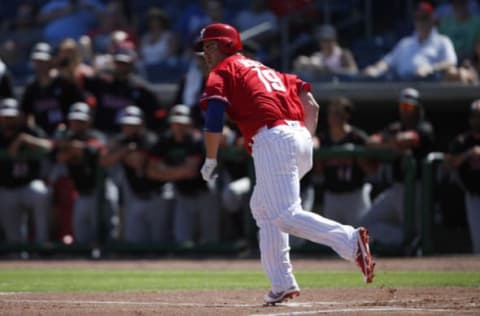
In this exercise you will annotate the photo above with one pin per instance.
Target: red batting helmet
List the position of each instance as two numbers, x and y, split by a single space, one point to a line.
227 36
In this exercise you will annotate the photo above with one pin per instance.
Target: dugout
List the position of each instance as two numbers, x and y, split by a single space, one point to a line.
446 107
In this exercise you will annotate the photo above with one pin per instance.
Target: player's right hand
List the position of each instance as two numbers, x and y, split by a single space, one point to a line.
209 170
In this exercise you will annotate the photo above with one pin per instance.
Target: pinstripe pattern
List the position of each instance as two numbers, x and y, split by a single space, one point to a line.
282 155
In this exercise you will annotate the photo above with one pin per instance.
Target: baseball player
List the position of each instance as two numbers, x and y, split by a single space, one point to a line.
277 116
21 188
47 98
411 134
464 155
176 158
117 91
6 87
347 194
129 151
79 148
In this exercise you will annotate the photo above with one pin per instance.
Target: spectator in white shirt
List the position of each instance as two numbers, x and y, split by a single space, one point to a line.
158 44
424 55
329 59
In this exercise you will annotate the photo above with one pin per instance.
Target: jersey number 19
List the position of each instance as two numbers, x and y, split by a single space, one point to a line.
270 80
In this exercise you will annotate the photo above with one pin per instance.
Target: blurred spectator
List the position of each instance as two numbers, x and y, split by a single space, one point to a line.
70 65
412 134
47 98
197 15
464 155
445 8
143 221
112 19
116 91
158 43
20 185
469 71
68 18
20 34
331 59
104 62
462 28
191 87
79 147
257 13
6 88
177 157
424 55
347 194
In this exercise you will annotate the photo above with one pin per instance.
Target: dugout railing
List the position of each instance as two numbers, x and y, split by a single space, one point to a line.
105 246
410 169
442 198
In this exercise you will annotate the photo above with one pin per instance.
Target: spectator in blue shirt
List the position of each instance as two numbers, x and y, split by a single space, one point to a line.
68 18
424 55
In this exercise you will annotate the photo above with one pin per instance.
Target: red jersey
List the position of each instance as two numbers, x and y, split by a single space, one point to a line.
256 95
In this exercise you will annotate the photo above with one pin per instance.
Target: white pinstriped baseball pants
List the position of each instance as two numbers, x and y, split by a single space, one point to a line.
282 155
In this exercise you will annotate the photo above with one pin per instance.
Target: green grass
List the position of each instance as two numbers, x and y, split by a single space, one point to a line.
72 280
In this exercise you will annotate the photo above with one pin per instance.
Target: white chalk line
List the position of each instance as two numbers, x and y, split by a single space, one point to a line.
361 309
286 304
387 304
92 302
229 305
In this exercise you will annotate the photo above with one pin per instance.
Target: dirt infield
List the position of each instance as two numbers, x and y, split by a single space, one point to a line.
374 300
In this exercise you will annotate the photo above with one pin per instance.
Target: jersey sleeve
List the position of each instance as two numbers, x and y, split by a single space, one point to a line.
215 88
303 85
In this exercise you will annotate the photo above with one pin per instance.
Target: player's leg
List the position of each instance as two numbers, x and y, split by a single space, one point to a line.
349 207
10 214
472 203
184 219
208 207
275 256
385 217
274 247
159 218
277 156
135 224
332 207
36 196
85 219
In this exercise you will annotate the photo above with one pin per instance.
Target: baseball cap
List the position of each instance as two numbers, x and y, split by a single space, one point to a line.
9 107
424 10
180 113
41 51
131 115
475 106
326 32
410 96
124 55
79 111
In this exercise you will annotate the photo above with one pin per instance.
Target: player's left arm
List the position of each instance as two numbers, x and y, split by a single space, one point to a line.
311 109
214 117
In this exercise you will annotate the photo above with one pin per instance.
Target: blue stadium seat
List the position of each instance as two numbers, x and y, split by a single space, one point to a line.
368 51
166 72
